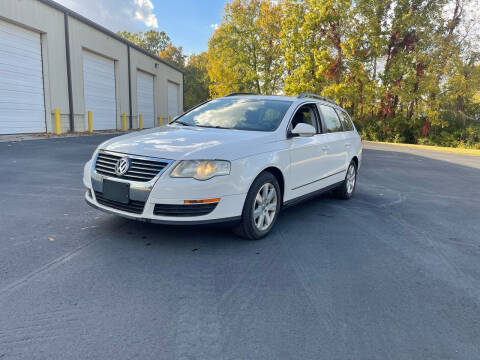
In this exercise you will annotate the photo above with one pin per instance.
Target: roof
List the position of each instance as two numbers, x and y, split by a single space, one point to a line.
281 97
104 30
266 97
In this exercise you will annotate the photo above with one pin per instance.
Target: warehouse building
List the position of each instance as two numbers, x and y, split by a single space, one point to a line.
53 58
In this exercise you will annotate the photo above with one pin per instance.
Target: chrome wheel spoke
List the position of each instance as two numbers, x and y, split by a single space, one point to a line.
261 220
258 199
271 206
267 219
270 194
264 192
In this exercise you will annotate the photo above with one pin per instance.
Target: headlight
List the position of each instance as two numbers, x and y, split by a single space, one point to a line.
201 169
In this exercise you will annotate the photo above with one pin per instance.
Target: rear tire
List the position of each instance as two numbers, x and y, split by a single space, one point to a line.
261 208
346 189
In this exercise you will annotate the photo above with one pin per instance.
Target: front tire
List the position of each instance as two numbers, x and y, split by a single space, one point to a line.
261 208
346 189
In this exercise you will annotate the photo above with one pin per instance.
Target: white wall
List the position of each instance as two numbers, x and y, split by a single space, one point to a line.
49 22
162 74
33 15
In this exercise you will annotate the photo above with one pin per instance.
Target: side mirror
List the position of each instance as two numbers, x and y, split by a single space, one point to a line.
303 129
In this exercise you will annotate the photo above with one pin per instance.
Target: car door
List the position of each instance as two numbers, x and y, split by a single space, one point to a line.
307 160
333 143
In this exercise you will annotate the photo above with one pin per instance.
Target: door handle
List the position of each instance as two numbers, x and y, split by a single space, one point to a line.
347 145
324 148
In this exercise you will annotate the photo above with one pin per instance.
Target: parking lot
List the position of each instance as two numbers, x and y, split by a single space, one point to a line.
393 273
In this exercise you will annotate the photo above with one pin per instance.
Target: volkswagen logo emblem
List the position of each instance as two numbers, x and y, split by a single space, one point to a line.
122 166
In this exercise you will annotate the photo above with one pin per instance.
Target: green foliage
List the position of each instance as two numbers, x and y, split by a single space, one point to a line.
196 80
401 68
174 55
152 40
244 53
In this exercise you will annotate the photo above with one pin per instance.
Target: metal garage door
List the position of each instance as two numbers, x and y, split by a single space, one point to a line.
99 91
145 99
21 81
172 99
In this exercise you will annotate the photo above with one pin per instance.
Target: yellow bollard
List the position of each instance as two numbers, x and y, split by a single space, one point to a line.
124 122
169 119
58 125
160 120
140 121
90 122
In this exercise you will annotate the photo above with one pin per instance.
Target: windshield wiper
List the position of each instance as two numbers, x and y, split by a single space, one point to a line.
214 127
183 123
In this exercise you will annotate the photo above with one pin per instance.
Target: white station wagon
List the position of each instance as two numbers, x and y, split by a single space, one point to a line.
239 158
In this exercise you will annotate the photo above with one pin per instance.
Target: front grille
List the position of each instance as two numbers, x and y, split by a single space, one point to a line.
140 169
133 206
184 210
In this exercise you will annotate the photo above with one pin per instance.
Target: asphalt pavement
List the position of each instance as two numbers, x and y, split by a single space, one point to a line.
393 273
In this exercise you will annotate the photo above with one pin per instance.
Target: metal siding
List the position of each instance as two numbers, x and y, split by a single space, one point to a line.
145 98
99 91
172 99
21 81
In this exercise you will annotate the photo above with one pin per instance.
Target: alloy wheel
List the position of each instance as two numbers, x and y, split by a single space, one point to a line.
351 177
265 206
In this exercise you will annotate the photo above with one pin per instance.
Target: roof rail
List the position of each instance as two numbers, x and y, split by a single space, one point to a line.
315 96
239 93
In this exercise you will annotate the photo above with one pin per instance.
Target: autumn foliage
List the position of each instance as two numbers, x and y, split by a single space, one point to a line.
406 70
402 68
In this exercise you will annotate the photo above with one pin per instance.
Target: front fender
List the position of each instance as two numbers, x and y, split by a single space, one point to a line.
87 174
255 165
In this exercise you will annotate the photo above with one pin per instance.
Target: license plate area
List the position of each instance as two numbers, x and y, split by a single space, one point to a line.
116 191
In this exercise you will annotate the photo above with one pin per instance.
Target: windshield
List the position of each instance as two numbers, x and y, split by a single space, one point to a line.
240 114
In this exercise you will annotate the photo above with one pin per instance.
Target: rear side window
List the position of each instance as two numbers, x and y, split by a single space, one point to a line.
345 119
330 117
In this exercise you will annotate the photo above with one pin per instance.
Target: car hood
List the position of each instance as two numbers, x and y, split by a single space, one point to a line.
184 143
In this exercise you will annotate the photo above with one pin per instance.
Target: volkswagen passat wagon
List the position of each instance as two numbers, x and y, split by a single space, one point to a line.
240 158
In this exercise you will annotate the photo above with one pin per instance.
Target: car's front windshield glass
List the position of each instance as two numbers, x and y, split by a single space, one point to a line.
240 114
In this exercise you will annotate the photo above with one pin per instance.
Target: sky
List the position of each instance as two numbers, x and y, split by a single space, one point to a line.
188 23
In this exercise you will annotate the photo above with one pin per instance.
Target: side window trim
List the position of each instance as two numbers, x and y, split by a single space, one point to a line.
340 118
293 114
351 121
317 118
320 119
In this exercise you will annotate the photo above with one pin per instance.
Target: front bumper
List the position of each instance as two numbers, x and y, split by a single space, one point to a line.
168 191
219 215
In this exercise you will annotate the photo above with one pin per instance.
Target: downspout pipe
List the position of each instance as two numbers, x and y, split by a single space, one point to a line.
69 73
129 87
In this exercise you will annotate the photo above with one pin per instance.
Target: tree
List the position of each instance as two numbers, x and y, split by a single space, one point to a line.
152 40
398 66
174 55
406 70
244 53
196 80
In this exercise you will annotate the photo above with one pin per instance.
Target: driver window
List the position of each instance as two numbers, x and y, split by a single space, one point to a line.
305 115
